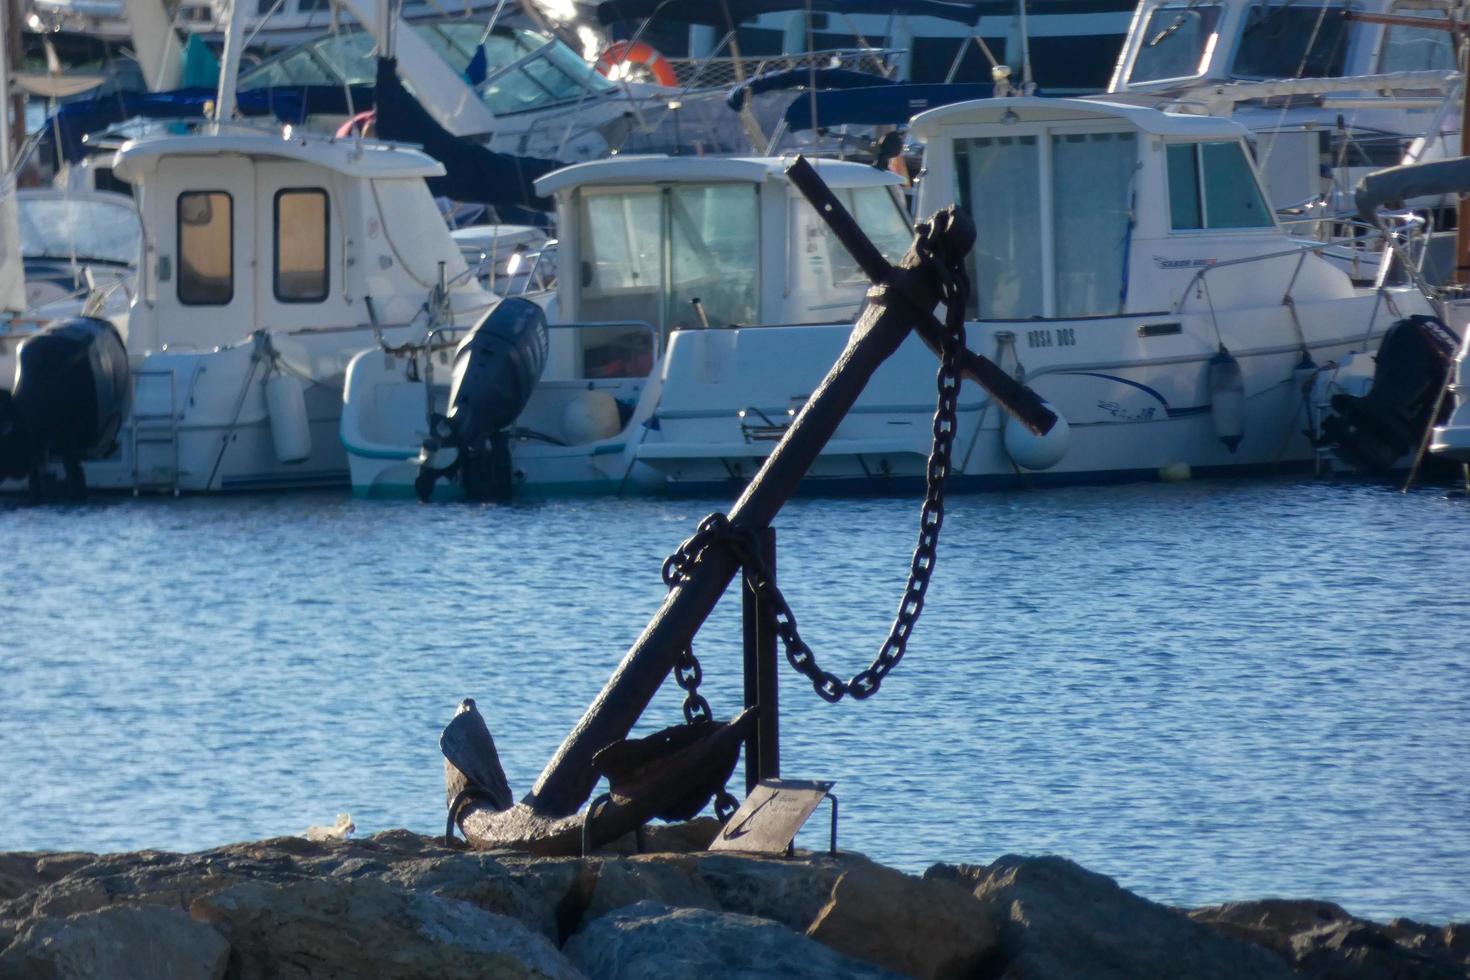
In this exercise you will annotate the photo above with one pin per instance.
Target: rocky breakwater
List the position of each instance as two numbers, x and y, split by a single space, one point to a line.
401 905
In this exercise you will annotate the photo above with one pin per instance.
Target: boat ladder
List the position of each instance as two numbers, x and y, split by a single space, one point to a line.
155 431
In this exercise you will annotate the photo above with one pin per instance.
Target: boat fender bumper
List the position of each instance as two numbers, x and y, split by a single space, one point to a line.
1034 452
285 402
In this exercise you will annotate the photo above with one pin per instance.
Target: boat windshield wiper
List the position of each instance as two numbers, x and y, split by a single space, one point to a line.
1166 33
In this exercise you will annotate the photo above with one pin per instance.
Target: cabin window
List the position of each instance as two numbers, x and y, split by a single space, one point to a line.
1177 43
206 248
1000 185
1212 185
648 254
1289 40
302 220
1092 205
1417 48
879 214
1054 213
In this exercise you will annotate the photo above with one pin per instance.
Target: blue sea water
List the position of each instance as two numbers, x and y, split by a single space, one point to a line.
1208 690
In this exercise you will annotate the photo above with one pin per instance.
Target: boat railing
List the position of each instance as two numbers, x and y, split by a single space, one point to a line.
1300 252
724 72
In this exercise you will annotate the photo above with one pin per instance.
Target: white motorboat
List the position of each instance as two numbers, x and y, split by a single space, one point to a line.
1128 269
1330 91
672 254
266 263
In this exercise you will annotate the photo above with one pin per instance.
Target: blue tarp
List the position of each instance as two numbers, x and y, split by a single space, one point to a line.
292 104
474 173
825 78
891 105
728 13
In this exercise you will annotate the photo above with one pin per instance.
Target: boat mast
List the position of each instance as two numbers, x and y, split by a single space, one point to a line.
12 105
229 73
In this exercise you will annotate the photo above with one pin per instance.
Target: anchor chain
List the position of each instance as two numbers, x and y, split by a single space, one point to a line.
687 672
954 292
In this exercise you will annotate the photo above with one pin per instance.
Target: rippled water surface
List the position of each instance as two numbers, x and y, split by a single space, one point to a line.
1209 691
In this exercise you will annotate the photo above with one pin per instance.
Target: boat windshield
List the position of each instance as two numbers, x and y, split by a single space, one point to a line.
347 59
1177 43
530 70
878 213
86 227
1292 41
1417 48
649 253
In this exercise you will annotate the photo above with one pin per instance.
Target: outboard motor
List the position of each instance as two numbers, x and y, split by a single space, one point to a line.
71 394
495 369
1375 431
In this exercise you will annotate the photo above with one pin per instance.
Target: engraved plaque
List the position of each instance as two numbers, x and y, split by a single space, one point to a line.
768 820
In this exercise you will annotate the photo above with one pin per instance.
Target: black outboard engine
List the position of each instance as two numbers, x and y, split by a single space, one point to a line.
71 394
1375 431
495 369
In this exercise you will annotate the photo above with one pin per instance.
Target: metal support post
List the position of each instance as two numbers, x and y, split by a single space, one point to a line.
762 688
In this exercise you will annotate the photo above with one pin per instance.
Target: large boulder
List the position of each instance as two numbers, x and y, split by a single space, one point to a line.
1058 921
916 927
1322 941
652 940
792 893
666 880
334 928
1270 922
1366 951
122 943
23 872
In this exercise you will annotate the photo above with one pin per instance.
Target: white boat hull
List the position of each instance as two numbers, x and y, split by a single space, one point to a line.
1134 390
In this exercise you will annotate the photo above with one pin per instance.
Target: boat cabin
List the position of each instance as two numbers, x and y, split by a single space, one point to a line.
685 243
249 231
1087 209
1176 43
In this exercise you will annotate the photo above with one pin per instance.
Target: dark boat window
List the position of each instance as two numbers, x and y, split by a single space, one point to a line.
1291 41
302 220
206 248
1211 185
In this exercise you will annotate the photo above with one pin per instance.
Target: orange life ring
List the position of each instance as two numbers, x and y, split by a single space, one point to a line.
639 54
360 124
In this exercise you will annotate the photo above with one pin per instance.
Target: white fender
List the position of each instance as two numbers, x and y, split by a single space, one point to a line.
1227 398
590 417
285 402
1031 451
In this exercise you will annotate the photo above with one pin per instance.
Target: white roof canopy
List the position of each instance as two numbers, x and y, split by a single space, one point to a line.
368 159
992 112
654 169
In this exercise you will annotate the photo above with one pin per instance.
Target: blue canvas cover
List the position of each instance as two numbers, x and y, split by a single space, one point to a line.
891 105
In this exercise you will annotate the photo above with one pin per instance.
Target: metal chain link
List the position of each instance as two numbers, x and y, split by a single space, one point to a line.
687 672
955 292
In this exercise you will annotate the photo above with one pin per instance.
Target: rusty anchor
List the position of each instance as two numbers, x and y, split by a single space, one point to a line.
675 772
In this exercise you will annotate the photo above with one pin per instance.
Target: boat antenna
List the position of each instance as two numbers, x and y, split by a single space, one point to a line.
1028 84
811 67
